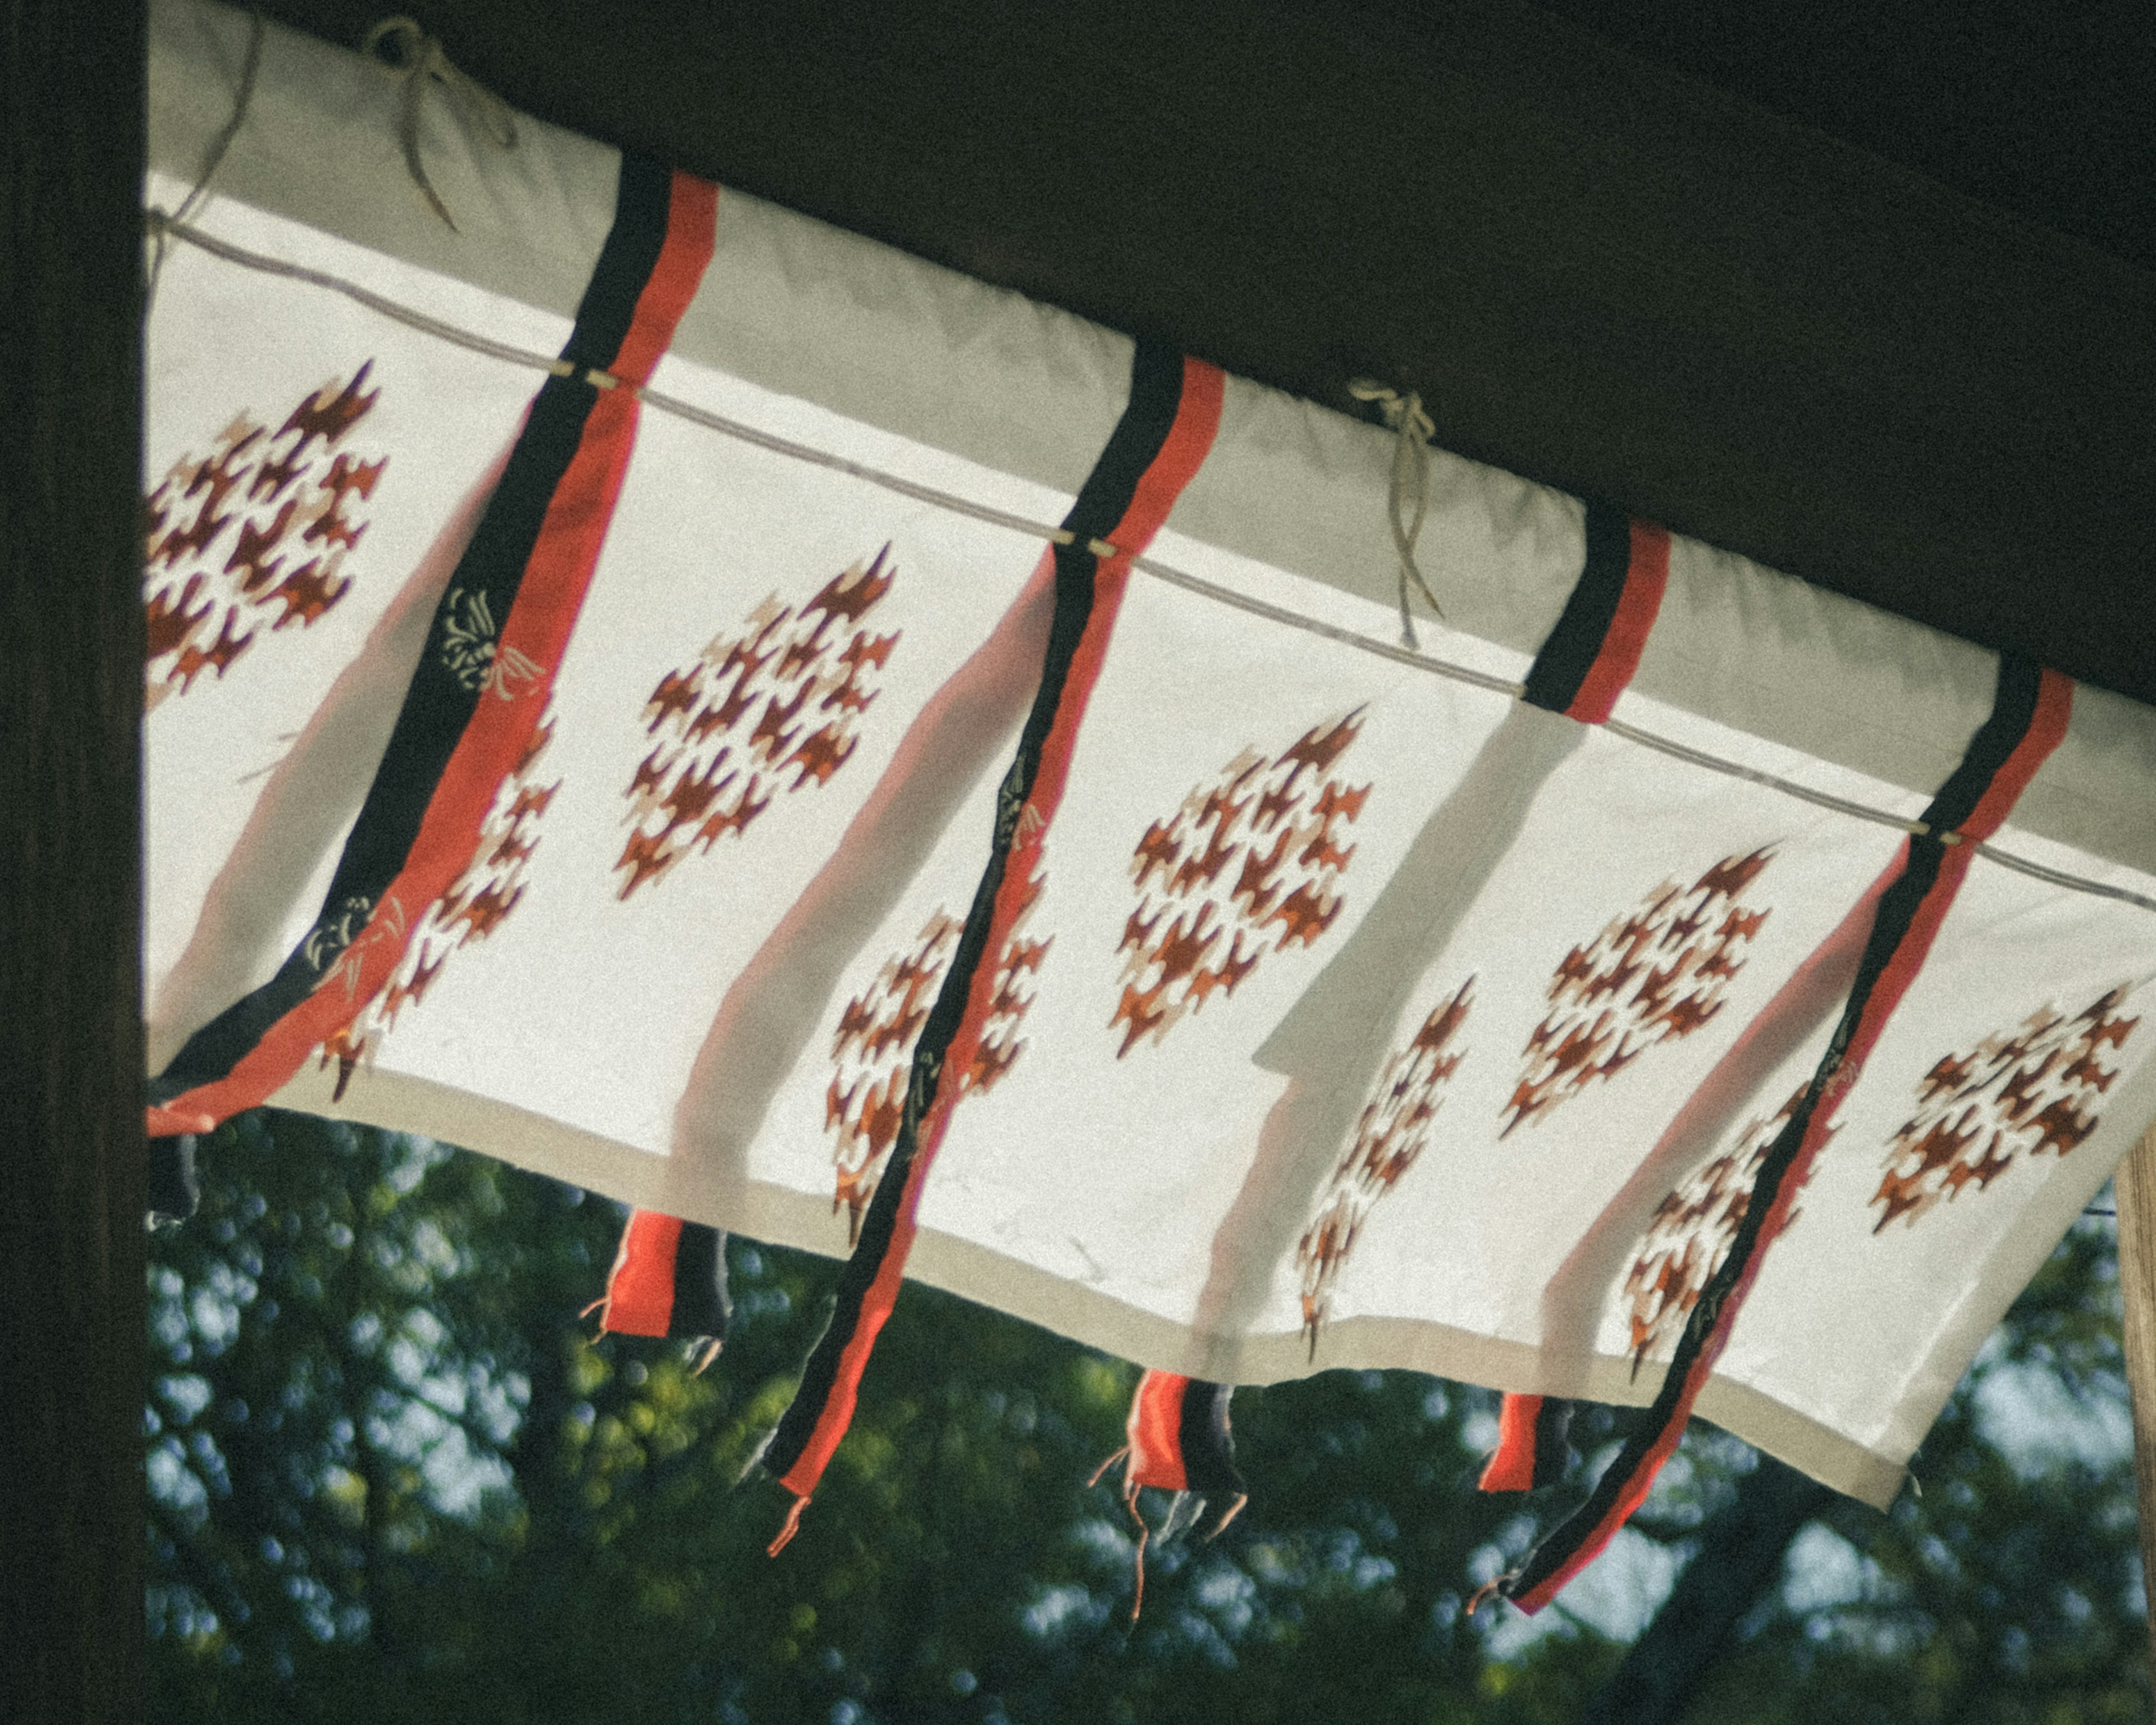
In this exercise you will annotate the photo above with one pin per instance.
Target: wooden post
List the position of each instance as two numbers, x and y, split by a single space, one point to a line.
2136 1188
71 1155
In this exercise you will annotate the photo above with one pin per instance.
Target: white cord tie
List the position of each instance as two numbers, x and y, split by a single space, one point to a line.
404 46
1408 499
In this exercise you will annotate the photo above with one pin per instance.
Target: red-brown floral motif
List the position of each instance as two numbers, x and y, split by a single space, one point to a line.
1656 975
2035 1092
783 694
221 529
872 1049
1393 1132
1690 1233
1255 855
491 886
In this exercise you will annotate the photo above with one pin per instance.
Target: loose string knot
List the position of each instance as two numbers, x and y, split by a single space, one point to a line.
1408 499
404 46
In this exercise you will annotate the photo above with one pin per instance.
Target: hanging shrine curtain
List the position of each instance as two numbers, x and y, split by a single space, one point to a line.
649 687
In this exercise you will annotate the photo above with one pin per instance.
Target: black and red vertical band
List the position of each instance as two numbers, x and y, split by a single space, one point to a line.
1177 1439
1180 1439
668 1278
2030 712
1166 430
1530 1449
1592 652
486 670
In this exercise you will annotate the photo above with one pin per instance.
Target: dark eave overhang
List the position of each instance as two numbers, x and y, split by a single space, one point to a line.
1598 272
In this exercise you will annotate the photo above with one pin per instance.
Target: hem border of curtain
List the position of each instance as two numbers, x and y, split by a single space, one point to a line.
782 1215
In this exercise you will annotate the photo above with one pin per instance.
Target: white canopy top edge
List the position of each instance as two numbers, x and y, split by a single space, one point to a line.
806 310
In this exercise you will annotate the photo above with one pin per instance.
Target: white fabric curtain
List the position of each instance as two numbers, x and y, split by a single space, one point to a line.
1364 1013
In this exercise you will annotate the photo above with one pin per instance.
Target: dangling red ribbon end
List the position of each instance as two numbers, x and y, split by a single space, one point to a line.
787 1532
1101 1471
1511 1465
1145 1533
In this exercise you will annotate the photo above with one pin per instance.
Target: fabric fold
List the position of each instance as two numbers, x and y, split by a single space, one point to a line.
1331 1044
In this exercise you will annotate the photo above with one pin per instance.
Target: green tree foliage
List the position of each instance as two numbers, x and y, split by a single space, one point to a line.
391 1478
2010 1592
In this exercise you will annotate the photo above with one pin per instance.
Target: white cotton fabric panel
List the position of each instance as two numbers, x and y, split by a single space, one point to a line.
1148 1162
788 1165
616 980
440 418
1080 1154
1646 825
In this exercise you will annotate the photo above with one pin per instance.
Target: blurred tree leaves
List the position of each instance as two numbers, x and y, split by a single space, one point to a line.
391 1478
2009 1593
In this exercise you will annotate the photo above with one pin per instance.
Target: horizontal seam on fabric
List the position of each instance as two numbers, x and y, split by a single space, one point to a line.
158 222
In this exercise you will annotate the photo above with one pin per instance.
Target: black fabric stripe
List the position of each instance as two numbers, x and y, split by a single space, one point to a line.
1133 446
643 199
1574 646
175 1193
701 1305
445 687
1208 1443
2013 710
2014 707
1553 1421
1156 396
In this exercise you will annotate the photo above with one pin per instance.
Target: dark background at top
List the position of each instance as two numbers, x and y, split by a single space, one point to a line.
2045 107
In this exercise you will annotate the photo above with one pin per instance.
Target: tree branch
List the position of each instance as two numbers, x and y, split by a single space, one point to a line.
1739 1556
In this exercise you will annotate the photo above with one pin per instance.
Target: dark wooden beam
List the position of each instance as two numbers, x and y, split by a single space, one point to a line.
1599 274
71 1187
2040 106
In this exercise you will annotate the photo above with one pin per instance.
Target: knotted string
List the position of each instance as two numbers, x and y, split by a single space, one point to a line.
1409 499
404 46
160 239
